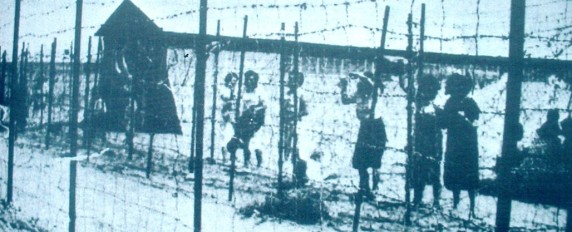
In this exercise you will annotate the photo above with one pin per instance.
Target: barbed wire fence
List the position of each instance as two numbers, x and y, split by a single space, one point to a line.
322 75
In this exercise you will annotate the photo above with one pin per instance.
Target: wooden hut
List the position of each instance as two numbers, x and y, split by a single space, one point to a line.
134 65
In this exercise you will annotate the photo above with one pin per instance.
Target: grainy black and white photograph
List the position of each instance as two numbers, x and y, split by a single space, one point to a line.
285 115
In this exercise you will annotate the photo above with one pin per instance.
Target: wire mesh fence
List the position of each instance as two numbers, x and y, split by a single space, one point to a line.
113 194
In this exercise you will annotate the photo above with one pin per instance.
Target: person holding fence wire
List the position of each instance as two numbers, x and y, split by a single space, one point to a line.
251 119
372 138
462 151
426 160
294 111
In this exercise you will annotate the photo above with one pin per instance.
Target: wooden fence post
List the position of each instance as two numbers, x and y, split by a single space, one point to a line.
378 62
41 85
379 56
199 102
215 83
410 96
13 86
75 80
512 111
296 62
150 156
420 58
51 81
70 73
281 135
237 110
20 93
193 140
72 195
86 110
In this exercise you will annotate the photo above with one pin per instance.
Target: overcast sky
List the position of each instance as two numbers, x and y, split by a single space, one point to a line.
548 22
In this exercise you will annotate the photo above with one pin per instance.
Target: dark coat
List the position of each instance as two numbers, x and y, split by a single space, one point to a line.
462 152
567 145
370 144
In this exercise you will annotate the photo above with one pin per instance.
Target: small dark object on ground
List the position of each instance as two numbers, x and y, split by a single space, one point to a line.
303 206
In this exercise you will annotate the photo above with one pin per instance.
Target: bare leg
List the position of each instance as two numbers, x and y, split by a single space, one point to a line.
246 151
363 180
436 194
418 193
456 198
375 177
472 195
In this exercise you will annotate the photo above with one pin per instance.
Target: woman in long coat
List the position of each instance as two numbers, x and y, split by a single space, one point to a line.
462 152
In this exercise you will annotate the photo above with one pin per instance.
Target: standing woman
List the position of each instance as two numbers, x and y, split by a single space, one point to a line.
462 153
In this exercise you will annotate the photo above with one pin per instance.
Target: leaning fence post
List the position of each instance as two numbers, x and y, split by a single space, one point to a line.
51 80
378 62
237 110
72 197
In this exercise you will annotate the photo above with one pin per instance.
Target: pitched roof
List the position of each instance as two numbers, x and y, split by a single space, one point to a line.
128 19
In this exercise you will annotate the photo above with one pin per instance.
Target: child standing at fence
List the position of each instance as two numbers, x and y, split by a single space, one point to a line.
426 161
462 153
250 120
548 134
228 98
371 141
294 111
